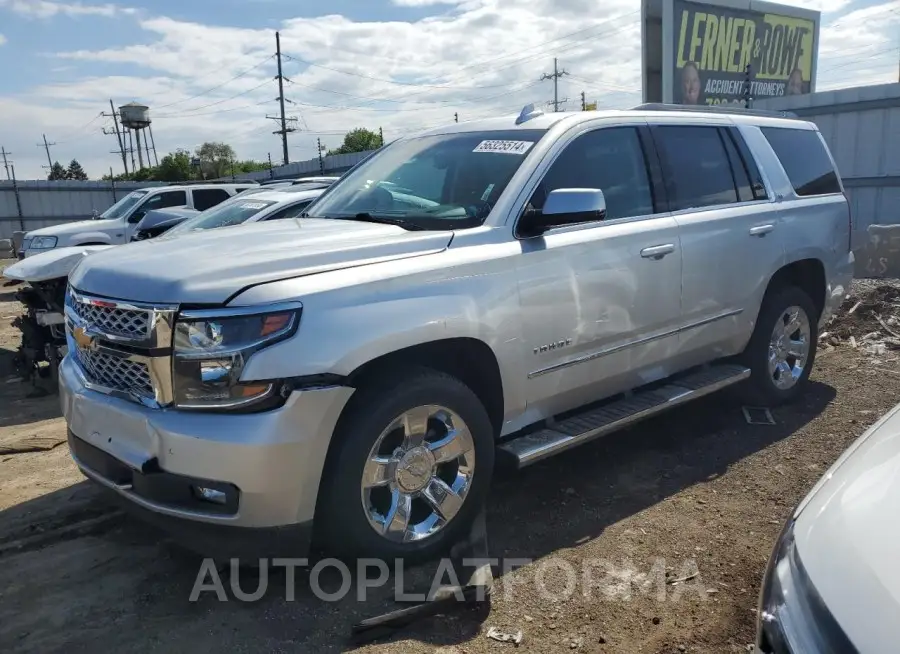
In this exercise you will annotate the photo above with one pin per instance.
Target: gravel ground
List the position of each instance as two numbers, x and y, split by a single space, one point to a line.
695 494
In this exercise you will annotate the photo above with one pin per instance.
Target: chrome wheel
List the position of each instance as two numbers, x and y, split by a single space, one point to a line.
789 347
418 474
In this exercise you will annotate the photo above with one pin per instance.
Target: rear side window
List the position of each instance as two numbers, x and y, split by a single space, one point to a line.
805 160
166 199
292 211
695 165
204 198
746 173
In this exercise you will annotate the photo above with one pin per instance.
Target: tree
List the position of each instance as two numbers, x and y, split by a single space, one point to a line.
215 159
359 140
175 167
250 166
75 171
57 172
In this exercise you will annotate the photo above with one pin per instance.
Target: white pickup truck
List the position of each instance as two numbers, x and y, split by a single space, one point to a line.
117 224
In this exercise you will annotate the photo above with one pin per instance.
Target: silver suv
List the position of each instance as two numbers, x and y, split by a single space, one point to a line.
510 287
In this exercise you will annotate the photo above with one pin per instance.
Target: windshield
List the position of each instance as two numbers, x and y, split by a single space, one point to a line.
121 207
229 213
447 181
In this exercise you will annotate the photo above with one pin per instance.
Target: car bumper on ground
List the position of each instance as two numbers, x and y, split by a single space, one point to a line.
191 472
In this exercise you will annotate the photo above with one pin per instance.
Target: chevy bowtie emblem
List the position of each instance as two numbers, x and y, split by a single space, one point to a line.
84 339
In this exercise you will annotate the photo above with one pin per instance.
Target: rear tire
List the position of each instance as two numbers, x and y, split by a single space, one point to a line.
403 443
782 349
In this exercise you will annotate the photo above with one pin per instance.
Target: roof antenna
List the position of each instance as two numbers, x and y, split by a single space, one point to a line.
528 112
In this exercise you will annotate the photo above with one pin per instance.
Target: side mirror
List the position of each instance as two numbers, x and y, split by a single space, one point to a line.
564 206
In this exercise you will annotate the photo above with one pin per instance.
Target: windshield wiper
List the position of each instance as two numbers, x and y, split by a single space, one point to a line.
370 218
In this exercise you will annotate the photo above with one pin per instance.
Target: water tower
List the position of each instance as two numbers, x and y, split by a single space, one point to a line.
135 119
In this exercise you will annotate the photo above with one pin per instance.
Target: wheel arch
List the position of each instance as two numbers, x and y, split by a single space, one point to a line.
806 274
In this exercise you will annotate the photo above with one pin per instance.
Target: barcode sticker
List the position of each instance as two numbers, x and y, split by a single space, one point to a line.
504 147
253 205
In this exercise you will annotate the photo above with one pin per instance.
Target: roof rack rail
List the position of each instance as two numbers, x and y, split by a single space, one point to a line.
196 182
715 109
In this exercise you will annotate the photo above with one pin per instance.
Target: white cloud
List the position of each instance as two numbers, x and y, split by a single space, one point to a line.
2 39
49 8
485 57
424 3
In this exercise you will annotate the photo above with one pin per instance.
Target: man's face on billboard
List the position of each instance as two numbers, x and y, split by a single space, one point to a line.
690 85
795 83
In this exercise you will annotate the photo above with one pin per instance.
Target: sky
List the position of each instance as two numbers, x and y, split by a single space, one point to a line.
206 68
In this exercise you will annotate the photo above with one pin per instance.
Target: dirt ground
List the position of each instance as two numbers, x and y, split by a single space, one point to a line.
698 492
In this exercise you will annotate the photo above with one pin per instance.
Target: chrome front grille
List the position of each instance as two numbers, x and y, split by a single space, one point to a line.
122 348
131 377
126 323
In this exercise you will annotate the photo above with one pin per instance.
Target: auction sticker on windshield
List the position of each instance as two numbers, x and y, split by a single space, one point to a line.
253 205
504 147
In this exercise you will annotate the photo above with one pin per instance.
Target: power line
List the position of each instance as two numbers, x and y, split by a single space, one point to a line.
217 86
526 59
419 109
383 80
213 104
220 111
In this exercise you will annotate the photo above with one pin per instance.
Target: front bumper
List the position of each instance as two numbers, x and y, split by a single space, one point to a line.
273 460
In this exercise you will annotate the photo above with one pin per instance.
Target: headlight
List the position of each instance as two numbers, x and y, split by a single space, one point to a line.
43 242
792 618
212 347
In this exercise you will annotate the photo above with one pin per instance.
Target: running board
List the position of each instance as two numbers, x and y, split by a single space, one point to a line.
593 423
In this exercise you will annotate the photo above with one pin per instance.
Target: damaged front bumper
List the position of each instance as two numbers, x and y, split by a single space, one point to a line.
257 471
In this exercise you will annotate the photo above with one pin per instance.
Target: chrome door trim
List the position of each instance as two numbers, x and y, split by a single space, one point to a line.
623 346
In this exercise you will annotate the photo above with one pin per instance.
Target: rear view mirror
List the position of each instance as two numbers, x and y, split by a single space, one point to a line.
564 206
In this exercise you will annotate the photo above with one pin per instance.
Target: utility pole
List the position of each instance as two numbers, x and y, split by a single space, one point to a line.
285 130
583 102
46 147
271 171
555 75
119 136
380 137
18 198
321 162
112 184
5 162
455 116
747 98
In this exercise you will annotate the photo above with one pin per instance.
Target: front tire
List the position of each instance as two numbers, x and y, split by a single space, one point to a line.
414 462
782 349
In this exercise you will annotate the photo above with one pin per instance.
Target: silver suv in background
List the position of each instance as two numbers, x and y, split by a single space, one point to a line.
509 287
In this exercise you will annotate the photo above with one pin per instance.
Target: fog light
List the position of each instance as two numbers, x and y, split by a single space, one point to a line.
210 494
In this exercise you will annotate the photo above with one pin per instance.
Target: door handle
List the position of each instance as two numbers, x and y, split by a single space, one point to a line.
761 230
658 251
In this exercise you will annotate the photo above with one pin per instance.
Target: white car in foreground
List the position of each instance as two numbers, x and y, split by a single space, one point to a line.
833 581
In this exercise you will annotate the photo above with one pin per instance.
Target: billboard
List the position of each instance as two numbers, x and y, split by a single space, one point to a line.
724 52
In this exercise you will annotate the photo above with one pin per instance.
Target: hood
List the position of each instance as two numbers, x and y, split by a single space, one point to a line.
210 266
52 264
67 229
847 533
170 217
